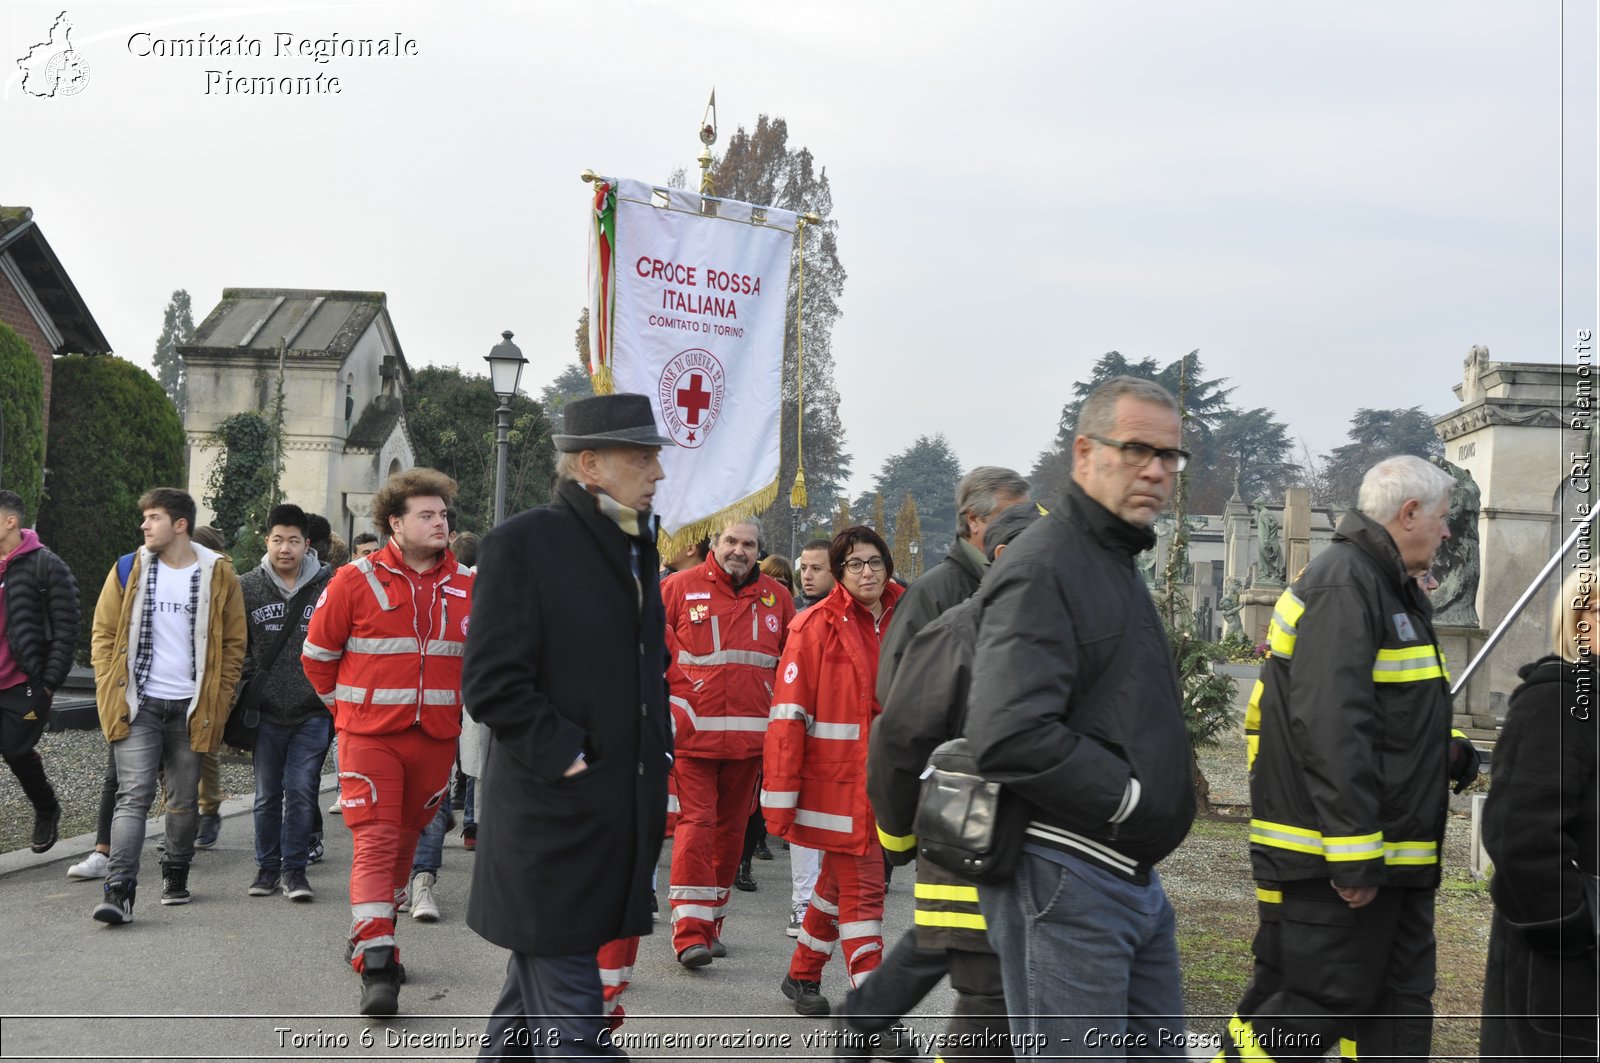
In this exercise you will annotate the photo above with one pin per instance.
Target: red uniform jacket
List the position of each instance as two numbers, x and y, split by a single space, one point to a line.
385 644
728 645
815 788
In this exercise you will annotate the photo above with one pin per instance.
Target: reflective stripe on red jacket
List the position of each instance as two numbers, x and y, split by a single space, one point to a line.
385 645
814 791
729 642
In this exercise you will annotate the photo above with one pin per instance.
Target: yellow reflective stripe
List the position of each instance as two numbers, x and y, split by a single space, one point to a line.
1347 1048
1353 847
1283 631
1283 836
1243 1036
896 843
953 920
1454 733
1252 745
1410 853
933 891
1408 664
1269 896
1252 711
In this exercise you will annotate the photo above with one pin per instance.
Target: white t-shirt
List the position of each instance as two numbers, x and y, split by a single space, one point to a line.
172 666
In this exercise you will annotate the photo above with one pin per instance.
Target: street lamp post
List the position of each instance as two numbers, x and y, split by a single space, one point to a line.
505 371
916 548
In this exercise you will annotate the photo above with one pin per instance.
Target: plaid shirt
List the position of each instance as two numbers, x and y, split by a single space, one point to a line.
145 655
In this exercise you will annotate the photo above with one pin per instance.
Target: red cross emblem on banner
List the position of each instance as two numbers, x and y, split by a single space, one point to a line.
691 392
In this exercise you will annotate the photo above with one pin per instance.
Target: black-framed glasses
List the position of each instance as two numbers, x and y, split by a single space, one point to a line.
856 564
1139 454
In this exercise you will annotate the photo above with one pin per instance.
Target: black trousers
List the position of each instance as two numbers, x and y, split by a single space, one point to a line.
549 1008
1326 973
979 1028
22 722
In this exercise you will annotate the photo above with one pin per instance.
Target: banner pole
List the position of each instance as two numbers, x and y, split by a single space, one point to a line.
1527 596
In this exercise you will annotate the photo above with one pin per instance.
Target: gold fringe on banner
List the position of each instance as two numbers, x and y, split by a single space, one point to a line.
797 493
602 381
670 545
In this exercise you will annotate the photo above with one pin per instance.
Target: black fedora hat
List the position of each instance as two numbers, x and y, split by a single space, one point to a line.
620 420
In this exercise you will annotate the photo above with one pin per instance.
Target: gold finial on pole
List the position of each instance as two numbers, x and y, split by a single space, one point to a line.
708 137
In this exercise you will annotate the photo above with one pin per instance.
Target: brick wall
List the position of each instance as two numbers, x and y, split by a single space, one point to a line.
14 312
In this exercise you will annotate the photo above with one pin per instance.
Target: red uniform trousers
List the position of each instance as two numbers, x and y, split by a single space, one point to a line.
615 960
847 907
390 786
715 798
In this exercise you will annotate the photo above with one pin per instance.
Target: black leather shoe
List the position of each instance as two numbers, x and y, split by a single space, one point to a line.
743 879
380 983
46 829
807 996
695 957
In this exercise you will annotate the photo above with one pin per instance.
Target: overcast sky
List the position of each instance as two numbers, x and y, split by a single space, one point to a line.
1333 202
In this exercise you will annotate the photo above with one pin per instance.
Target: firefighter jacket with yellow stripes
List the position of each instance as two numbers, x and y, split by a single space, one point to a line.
926 706
1349 727
385 645
729 641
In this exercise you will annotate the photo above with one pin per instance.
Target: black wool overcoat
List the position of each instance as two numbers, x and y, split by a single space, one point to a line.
561 659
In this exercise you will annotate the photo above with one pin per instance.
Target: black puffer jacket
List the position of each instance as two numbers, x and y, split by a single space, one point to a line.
1074 692
38 583
947 584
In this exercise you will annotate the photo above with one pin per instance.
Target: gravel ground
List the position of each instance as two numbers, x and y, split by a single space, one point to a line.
76 764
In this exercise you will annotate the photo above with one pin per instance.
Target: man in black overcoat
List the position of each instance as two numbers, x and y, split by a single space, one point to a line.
565 665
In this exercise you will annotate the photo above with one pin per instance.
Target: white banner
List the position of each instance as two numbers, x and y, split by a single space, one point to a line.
700 297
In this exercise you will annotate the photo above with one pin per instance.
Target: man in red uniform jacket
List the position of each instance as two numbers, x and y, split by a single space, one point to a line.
731 621
384 653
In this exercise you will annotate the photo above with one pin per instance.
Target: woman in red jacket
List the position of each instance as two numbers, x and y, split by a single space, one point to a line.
815 789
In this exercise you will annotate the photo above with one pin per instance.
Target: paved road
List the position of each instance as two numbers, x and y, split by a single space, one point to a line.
237 977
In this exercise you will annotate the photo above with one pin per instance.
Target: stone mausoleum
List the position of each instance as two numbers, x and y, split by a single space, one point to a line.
343 376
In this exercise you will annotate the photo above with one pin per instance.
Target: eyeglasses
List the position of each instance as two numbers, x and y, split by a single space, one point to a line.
1139 454
855 564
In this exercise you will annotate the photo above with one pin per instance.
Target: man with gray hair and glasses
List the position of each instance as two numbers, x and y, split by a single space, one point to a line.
1350 748
1075 708
981 496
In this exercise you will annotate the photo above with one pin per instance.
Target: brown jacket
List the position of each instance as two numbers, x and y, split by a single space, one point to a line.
220 649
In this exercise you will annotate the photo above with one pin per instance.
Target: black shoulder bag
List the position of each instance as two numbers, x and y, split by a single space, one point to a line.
970 825
244 719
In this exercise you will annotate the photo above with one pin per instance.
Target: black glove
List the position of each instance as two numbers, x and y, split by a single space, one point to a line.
1464 763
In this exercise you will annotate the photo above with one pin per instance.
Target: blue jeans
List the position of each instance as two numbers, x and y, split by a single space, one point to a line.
471 792
288 766
157 743
430 847
1090 964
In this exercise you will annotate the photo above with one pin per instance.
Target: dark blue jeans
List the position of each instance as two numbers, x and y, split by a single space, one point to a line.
288 762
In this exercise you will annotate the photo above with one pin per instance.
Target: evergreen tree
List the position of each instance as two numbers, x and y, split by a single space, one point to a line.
929 470
452 419
22 414
176 327
113 436
907 530
879 524
1375 435
841 517
573 382
760 167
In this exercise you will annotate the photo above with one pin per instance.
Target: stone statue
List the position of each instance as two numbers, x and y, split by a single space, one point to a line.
1270 554
1472 370
1455 602
1230 607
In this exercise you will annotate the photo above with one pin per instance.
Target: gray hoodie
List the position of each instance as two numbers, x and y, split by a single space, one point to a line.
288 699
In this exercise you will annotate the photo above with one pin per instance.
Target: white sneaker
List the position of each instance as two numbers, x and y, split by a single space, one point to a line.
798 917
424 908
95 865
334 809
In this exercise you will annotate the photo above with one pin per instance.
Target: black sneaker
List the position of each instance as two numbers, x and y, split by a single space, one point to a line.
743 879
807 996
295 886
46 829
175 883
117 907
266 883
380 982
761 852
206 830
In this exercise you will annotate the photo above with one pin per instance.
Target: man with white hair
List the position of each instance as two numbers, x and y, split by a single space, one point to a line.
1350 750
